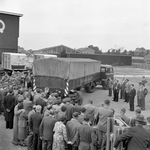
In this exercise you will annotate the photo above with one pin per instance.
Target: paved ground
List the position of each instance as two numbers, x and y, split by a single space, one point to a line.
98 97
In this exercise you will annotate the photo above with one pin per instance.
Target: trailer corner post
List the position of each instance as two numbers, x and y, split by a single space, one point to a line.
67 88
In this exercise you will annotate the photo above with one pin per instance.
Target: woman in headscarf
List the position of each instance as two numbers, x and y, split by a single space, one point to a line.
17 111
60 135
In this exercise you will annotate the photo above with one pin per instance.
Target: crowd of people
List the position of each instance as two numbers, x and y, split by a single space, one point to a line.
126 91
42 120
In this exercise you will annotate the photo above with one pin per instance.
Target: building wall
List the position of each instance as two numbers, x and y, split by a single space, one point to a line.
87 51
106 59
9 37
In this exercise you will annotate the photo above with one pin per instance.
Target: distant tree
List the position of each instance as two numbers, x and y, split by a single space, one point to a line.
108 52
96 49
125 52
63 54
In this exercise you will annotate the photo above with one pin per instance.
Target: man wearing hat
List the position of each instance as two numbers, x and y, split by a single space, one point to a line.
138 138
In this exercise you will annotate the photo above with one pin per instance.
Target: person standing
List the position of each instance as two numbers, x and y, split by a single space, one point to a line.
137 137
127 90
60 134
72 127
137 114
144 81
9 104
131 98
46 130
122 91
84 134
138 94
110 86
116 91
102 114
34 123
142 95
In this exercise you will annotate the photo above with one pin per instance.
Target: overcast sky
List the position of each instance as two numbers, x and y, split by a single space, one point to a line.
79 23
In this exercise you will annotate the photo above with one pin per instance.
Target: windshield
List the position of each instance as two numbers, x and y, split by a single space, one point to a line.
109 70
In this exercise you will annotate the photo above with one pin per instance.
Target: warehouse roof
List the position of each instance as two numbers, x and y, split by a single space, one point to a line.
74 59
10 13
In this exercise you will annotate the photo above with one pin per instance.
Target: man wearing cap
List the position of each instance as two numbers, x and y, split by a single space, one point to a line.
137 137
72 127
46 130
84 134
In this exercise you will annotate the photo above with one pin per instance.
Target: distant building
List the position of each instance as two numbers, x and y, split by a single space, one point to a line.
147 59
56 50
141 51
86 50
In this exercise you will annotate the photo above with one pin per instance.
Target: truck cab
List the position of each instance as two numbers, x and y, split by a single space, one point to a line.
106 72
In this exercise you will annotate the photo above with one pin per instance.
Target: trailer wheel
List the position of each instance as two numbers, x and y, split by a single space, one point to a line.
90 88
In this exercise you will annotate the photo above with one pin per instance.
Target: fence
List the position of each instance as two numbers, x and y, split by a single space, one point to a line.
141 65
112 132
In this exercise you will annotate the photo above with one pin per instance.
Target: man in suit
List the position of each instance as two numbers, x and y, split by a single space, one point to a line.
90 108
122 92
72 127
46 130
137 137
127 90
9 104
34 123
131 97
102 114
110 85
84 134
116 91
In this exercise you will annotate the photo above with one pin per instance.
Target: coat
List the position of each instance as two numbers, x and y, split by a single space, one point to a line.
35 121
9 103
41 102
46 128
69 111
102 114
138 138
72 127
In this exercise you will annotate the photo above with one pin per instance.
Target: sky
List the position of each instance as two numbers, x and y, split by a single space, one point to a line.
79 23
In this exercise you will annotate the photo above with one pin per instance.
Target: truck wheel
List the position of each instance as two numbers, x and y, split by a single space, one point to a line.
91 88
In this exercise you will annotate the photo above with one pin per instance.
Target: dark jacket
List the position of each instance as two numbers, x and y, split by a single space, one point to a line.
138 138
35 121
46 128
72 129
69 111
9 103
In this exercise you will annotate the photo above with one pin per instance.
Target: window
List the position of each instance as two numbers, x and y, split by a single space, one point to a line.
102 69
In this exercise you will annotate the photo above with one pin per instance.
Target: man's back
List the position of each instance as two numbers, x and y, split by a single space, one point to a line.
69 111
72 127
47 126
89 109
40 102
102 114
35 121
85 132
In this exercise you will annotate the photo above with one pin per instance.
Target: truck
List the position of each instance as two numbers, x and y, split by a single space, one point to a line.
13 61
66 74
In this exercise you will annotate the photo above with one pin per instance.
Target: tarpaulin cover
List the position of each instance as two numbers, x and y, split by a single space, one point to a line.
66 68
